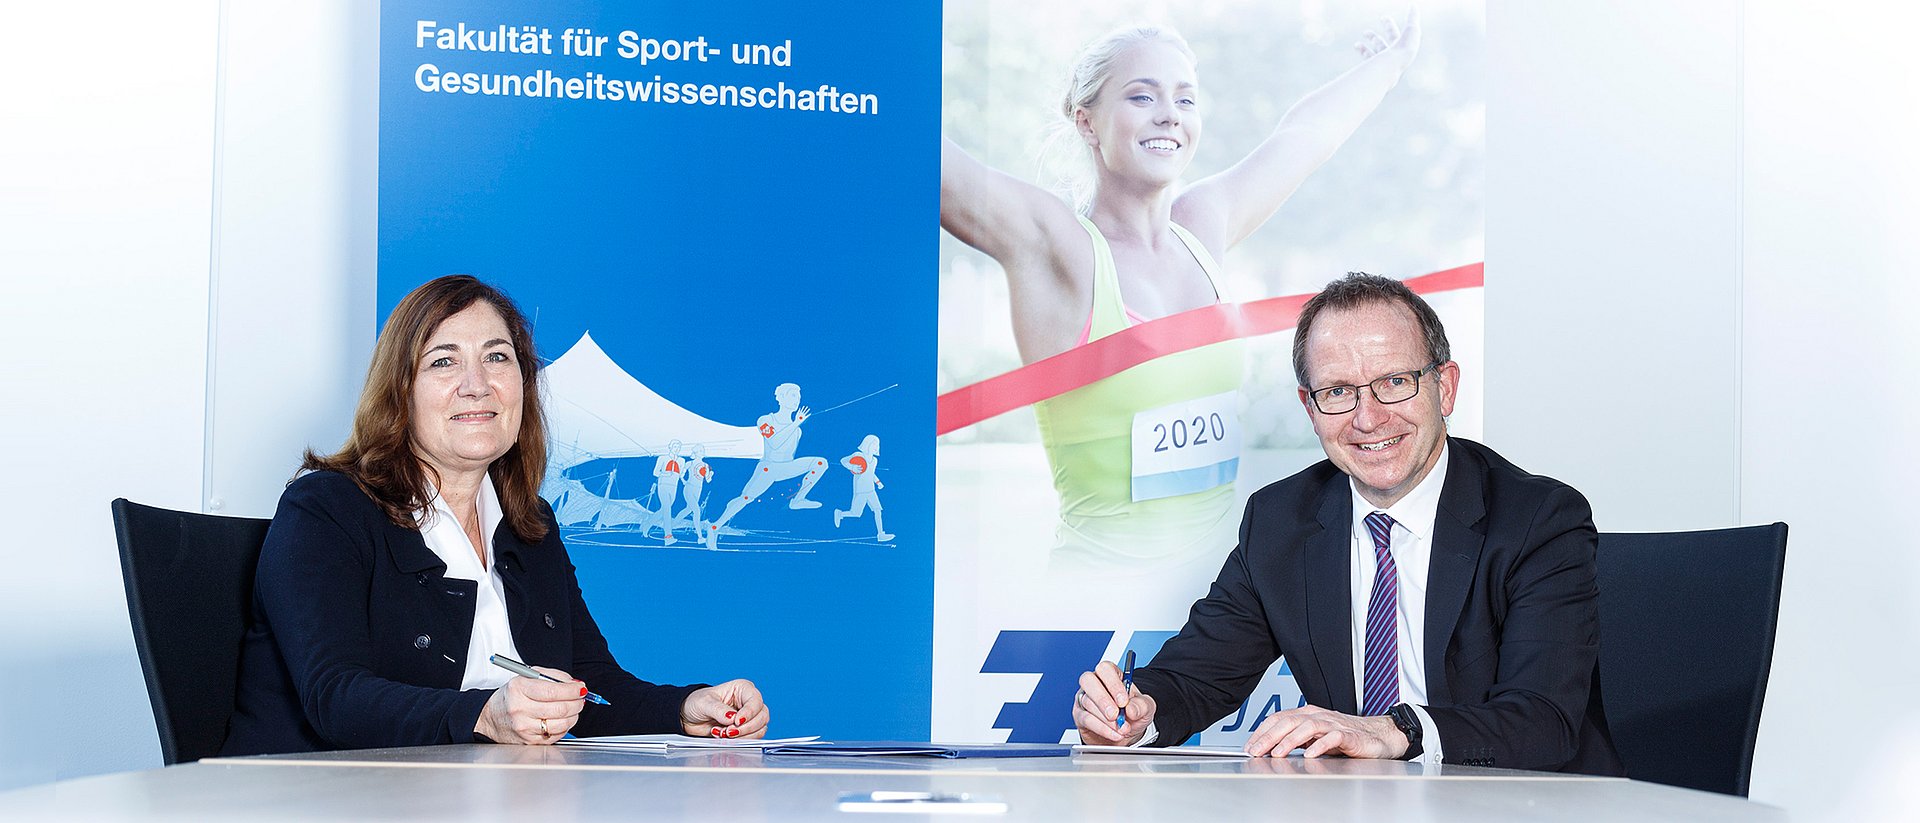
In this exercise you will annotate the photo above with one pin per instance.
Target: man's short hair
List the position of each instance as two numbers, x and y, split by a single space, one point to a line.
1361 289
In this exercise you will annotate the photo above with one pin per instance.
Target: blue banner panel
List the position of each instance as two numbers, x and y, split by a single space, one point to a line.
722 220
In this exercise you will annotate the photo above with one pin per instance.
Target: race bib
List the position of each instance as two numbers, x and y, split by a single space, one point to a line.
1186 447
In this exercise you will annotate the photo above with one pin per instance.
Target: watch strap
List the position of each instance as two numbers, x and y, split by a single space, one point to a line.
1408 722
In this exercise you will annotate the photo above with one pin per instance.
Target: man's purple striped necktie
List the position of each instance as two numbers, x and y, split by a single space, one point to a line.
1382 685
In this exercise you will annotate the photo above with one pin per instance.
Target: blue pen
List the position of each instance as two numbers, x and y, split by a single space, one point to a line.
525 670
1126 685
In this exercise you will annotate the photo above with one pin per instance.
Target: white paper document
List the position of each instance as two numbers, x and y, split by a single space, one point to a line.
674 742
1164 751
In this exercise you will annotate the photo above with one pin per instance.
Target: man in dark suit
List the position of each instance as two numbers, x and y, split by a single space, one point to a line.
1433 600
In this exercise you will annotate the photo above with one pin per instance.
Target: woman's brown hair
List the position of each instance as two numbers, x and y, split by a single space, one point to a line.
379 454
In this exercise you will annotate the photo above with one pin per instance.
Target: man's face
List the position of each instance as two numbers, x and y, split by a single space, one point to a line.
1386 448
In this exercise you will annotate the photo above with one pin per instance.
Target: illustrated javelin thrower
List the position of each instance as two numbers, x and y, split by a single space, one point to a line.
781 430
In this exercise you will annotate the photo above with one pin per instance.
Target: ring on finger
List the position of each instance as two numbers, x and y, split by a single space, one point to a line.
543 728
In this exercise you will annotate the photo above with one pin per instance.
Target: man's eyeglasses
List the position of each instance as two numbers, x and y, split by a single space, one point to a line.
1398 387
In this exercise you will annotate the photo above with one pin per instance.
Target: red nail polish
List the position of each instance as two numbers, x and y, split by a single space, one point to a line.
733 732
730 715
716 732
583 691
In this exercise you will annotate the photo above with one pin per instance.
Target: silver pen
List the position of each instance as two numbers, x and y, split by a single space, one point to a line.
525 670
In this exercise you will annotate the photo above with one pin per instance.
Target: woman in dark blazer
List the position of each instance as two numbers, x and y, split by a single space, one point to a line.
397 566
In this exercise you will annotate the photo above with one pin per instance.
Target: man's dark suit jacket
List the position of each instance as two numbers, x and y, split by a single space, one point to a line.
359 640
1512 634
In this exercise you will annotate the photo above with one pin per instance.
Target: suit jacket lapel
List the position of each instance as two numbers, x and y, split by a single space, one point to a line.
451 600
1329 604
408 551
1454 555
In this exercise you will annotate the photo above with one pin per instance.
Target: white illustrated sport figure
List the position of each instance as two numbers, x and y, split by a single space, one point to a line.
865 465
781 430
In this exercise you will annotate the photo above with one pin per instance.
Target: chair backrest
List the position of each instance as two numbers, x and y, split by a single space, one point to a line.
190 590
1686 641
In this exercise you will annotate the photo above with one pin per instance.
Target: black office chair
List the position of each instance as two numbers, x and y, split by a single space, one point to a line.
190 591
1686 641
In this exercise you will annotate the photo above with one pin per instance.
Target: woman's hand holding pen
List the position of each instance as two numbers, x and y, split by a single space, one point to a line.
532 711
732 710
1096 709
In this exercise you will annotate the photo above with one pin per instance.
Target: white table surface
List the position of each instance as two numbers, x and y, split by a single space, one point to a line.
482 782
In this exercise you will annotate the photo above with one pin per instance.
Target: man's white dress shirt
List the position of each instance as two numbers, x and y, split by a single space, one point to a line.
1412 548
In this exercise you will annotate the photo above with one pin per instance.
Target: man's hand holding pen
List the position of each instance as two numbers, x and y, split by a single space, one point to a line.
1105 694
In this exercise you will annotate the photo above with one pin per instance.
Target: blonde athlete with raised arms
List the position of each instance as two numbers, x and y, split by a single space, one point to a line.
1143 246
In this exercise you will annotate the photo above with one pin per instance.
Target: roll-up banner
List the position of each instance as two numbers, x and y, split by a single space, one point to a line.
911 360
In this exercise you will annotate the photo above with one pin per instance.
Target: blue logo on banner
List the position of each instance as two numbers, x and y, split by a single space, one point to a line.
1274 703
1059 658
1145 645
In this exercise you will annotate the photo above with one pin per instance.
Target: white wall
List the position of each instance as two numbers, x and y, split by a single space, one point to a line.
105 194
1718 201
295 221
186 246
1613 253
1830 369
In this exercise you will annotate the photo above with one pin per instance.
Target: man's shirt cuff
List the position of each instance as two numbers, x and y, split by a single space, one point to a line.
1153 733
1432 754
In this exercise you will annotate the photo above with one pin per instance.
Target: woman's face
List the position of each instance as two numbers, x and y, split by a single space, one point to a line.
466 393
1145 121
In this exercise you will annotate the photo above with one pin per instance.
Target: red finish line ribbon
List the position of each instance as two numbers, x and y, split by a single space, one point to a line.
1132 346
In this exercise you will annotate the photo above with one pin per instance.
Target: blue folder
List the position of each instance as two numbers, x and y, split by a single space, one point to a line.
889 748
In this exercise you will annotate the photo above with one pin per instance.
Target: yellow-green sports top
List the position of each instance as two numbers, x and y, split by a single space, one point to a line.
1108 511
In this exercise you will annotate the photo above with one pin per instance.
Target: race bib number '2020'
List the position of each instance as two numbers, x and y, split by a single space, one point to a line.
1186 447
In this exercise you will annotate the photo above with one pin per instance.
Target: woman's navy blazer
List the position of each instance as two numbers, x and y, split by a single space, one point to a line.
359 640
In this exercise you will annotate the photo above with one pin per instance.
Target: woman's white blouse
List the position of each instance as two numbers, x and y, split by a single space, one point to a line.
492 634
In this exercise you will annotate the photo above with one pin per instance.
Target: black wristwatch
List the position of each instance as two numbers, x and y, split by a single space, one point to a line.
1409 723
